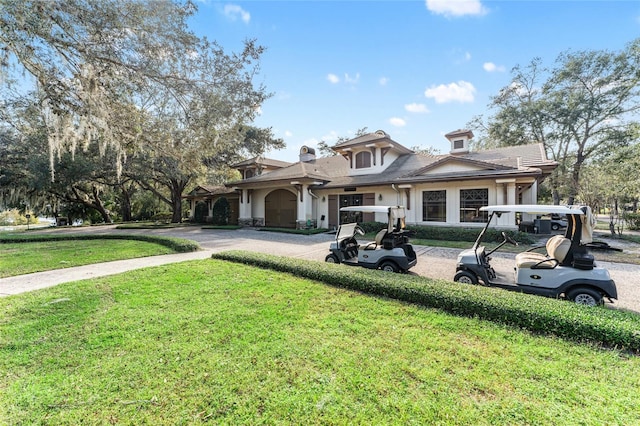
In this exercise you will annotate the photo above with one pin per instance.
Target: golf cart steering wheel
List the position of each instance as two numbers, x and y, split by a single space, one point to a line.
359 230
508 239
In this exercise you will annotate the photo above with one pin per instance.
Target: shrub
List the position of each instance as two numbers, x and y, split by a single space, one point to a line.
14 217
632 220
608 327
310 231
446 233
161 217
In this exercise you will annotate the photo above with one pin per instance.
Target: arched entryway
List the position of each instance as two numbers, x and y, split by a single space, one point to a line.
221 212
201 212
280 209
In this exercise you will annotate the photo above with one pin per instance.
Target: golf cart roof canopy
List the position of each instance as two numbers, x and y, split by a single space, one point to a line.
370 209
533 209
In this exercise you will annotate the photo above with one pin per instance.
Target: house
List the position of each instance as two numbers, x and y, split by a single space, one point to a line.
374 169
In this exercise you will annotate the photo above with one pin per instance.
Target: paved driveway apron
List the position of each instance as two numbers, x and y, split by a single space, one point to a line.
433 262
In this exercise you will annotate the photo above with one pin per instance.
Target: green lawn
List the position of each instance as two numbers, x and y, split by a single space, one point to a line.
27 257
211 341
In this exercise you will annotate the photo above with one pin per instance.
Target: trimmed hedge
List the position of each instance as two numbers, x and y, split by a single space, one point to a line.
152 225
179 245
607 327
310 231
446 233
223 227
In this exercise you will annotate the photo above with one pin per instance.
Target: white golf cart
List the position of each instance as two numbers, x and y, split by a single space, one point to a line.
566 269
390 251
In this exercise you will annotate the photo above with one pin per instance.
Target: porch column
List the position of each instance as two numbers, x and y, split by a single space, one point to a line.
530 196
511 192
500 194
511 199
304 205
245 217
506 194
192 208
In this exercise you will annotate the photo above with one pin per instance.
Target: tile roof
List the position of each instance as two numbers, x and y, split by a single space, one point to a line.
379 136
261 161
204 190
414 167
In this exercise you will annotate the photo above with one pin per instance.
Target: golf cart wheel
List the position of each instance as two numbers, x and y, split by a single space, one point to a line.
332 258
389 266
465 277
555 226
585 296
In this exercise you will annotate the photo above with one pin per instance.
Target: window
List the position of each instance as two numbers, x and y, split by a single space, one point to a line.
458 144
363 160
248 173
470 202
434 206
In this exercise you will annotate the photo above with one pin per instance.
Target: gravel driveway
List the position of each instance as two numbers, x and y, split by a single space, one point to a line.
433 262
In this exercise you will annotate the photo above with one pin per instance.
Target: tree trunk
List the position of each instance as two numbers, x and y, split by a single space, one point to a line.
612 218
575 178
125 203
176 216
177 187
97 205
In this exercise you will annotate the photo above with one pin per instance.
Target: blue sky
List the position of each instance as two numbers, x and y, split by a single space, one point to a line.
415 69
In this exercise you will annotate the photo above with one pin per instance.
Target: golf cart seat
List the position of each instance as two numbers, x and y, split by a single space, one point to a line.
557 249
378 240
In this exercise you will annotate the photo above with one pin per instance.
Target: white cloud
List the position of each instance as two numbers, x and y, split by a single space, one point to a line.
332 136
462 91
288 133
491 67
233 12
397 122
454 8
334 79
418 108
521 90
351 80
383 81
459 56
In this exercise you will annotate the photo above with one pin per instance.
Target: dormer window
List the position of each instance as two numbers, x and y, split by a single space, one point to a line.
249 173
459 140
363 160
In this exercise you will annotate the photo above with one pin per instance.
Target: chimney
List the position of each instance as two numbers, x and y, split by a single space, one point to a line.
459 140
307 154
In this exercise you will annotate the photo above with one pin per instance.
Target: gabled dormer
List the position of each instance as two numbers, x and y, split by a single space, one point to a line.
454 165
459 140
258 166
370 153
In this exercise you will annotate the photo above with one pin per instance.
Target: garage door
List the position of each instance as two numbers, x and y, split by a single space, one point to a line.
280 209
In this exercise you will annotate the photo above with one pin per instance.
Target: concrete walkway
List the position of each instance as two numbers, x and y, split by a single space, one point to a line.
38 280
302 246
